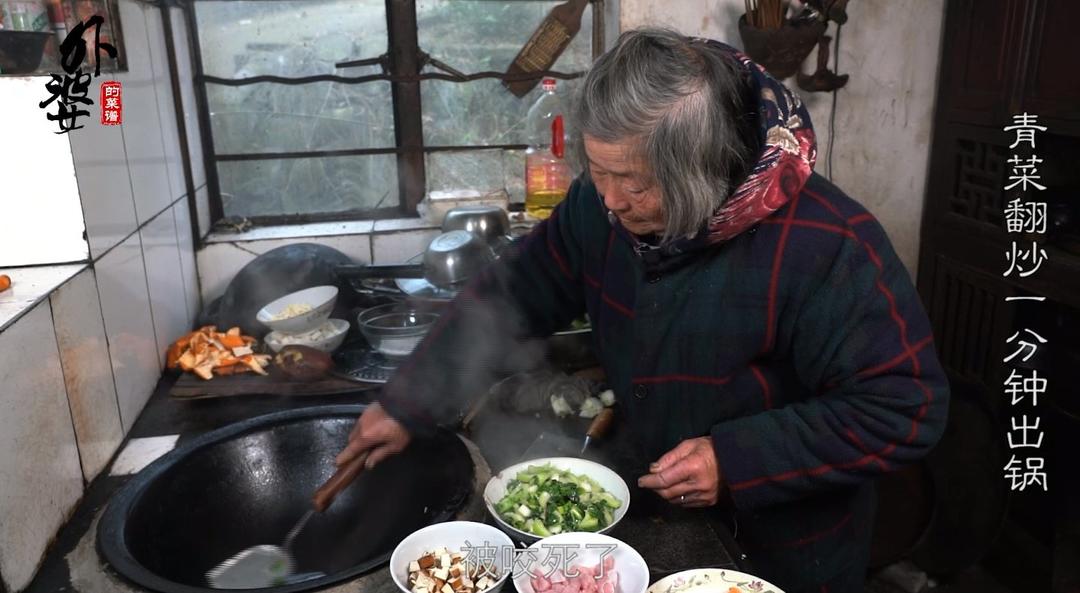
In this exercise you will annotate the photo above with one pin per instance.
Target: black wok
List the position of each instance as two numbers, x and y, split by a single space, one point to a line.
246 484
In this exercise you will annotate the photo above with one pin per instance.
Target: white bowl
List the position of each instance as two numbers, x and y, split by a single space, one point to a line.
454 536
709 580
588 549
608 480
321 299
327 337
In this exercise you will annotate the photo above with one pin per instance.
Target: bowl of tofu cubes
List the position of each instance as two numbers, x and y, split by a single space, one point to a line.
453 557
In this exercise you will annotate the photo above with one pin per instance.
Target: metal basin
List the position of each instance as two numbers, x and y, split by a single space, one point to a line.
247 483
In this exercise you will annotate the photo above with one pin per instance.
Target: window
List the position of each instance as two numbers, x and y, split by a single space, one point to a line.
315 110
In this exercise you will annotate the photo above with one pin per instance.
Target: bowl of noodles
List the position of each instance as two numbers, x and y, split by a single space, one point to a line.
300 311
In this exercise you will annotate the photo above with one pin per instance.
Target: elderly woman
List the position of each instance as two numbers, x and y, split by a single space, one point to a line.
765 344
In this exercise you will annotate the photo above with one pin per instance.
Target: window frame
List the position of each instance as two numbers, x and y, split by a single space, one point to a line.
402 65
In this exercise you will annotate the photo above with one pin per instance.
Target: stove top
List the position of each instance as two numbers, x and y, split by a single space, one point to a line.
363 363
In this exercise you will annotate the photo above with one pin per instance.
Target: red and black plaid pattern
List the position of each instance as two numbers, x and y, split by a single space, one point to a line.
799 345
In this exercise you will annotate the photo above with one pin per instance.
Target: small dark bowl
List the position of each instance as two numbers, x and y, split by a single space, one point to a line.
21 51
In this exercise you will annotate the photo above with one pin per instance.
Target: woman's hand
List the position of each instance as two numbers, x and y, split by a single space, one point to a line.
688 475
377 432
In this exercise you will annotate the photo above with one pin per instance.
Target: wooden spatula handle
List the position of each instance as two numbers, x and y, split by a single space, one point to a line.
601 424
341 479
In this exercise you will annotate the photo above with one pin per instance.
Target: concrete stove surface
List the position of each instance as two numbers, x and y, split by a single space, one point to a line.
669 539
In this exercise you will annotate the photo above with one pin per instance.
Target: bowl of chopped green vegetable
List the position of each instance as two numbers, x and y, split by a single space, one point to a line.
545 497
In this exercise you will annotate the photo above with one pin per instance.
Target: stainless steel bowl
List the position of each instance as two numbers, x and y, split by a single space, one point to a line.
454 257
490 223
447 263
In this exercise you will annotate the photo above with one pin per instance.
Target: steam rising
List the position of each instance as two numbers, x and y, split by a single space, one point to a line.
482 339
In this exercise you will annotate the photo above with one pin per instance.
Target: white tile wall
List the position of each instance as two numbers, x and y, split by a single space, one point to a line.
104 186
142 126
182 215
161 253
202 201
392 248
39 461
217 264
88 375
170 135
125 304
29 286
358 247
78 368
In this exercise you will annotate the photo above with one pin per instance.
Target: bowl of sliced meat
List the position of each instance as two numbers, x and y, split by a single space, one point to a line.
580 562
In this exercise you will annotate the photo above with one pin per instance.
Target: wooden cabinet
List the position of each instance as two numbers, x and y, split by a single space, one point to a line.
1001 58
1052 75
981 58
1005 56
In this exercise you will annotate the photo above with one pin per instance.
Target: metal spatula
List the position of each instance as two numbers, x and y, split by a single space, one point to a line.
550 444
268 565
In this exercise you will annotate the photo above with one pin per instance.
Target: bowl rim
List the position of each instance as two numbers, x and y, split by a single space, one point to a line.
401 307
494 531
557 539
264 315
530 538
397 329
662 584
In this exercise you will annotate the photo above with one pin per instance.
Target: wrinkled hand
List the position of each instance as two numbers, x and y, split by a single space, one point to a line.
377 432
688 475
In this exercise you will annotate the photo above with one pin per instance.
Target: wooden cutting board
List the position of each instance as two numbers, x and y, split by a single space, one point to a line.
189 386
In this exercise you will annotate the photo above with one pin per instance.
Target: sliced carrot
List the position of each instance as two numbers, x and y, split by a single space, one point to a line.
231 341
253 364
208 352
5 282
187 361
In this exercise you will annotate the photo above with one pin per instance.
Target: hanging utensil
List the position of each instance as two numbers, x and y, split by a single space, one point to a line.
545 46
269 565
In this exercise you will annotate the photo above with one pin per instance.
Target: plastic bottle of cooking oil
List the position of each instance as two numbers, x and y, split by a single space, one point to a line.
547 174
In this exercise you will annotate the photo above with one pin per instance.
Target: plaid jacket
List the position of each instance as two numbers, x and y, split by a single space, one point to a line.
799 345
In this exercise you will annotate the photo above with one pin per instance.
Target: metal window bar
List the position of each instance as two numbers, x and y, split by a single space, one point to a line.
402 68
202 101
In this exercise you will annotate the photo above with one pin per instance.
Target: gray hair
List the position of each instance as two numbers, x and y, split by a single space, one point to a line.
681 100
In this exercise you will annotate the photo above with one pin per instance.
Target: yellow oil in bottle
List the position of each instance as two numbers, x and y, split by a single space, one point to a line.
547 177
539 204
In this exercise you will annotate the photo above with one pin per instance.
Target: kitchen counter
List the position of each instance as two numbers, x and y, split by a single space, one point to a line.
687 539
